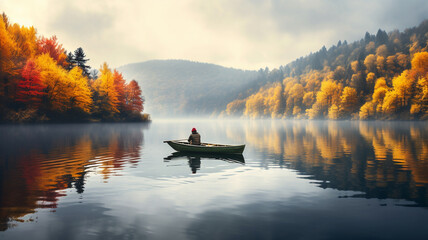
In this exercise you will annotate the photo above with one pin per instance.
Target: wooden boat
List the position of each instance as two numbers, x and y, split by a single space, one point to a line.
184 146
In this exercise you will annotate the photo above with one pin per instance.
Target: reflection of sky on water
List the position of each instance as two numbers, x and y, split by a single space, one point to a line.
211 207
300 179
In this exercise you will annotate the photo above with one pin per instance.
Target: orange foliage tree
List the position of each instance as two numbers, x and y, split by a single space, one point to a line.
119 84
133 98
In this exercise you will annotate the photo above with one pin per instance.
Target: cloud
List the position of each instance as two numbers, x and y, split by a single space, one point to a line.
286 30
247 34
77 22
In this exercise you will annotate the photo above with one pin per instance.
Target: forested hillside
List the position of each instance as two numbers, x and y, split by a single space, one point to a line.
382 76
40 81
182 88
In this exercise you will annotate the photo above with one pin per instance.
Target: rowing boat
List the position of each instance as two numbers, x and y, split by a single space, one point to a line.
183 146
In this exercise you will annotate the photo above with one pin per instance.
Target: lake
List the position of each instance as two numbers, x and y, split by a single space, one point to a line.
296 180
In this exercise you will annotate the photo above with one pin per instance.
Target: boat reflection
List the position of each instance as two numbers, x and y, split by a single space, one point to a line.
194 159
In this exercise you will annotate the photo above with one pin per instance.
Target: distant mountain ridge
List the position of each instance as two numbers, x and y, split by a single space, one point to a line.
181 87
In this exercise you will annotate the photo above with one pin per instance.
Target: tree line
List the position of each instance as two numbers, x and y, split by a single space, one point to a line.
382 76
41 81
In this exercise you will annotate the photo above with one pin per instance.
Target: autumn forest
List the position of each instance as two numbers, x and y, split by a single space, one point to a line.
40 81
382 76
302 108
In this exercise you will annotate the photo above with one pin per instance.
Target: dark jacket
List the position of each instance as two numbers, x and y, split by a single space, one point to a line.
194 138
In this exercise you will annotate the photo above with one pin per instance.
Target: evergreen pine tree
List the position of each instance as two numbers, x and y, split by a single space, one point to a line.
70 60
80 61
381 38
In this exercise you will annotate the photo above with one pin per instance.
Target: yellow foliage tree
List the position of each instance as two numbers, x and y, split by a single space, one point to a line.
314 112
402 60
370 79
333 112
268 101
367 111
81 98
380 65
106 101
296 110
354 66
382 50
312 80
7 66
308 99
414 45
295 98
254 107
296 93
348 101
403 86
420 63
370 63
390 102
274 100
420 104
379 92
57 81
328 95
391 65
236 107
419 73
339 73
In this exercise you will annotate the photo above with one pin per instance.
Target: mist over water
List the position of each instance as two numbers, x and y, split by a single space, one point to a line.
296 179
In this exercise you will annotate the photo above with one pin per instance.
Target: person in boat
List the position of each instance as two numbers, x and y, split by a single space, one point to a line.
194 138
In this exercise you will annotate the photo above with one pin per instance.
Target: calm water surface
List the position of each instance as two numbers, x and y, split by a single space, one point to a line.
296 180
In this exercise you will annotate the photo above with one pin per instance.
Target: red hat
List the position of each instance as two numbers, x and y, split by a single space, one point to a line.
193 129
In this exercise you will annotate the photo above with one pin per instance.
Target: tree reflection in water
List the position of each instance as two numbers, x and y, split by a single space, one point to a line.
380 159
39 164
39 161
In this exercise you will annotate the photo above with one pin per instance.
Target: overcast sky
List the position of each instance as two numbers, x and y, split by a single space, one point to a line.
246 34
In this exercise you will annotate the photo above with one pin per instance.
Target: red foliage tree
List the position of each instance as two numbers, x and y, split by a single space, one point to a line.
133 98
54 49
30 88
